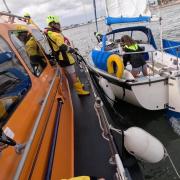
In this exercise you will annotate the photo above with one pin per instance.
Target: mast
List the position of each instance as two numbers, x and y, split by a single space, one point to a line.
95 14
4 1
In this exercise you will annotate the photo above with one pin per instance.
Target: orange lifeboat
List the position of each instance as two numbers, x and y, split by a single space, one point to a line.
36 112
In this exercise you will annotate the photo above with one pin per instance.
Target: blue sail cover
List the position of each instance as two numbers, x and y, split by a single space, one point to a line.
174 51
116 20
100 58
127 11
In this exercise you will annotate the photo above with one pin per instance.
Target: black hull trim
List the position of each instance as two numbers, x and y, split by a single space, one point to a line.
125 84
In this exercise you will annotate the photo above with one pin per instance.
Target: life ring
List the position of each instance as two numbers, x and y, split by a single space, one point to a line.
114 58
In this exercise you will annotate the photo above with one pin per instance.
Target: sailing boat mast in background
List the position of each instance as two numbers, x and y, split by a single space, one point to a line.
95 14
4 1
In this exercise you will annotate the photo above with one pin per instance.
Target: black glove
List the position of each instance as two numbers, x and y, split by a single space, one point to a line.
52 62
71 50
51 59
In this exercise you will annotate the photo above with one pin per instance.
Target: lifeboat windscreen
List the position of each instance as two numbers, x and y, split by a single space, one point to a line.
14 82
30 51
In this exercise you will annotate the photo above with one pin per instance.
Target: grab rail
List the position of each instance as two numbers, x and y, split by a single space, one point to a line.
53 146
12 16
152 55
139 52
29 143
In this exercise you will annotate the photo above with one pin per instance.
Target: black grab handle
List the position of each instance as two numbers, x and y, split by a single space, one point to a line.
54 139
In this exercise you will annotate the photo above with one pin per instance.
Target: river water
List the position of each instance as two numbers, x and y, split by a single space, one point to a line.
153 122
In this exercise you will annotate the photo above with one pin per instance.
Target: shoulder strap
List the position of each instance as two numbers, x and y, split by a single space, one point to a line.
50 40
63 48
54 53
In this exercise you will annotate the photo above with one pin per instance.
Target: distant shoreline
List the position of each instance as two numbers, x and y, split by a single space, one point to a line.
172 3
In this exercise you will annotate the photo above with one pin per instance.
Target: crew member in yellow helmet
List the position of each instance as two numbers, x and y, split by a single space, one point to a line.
63 52
32 49
29 19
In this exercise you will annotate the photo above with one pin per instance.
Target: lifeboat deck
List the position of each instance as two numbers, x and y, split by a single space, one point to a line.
92 152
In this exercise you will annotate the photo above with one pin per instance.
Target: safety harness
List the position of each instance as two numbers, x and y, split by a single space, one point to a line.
62 49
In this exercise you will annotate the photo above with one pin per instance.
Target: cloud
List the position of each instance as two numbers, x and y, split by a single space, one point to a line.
70 12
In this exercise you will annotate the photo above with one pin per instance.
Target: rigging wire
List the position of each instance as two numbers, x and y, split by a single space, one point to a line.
172 163
4 1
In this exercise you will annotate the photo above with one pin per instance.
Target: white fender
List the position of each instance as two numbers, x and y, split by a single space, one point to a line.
143 145
107 89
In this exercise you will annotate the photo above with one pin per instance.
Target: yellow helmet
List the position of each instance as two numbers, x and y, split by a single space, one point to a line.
50 19
27 15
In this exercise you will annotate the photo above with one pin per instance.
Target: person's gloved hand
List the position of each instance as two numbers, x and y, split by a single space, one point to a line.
51 59
71 50
52 62
76 49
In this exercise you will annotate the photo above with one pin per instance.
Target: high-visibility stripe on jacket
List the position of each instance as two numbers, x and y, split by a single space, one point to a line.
57 41
133 47
136 60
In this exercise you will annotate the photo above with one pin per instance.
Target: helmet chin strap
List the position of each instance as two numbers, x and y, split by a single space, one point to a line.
55 29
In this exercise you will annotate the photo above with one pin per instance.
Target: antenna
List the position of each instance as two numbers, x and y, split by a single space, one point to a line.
4 1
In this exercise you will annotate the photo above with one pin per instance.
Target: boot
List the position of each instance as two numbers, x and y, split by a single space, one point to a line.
80 91
82 85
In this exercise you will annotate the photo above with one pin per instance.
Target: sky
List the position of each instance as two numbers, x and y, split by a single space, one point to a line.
69 11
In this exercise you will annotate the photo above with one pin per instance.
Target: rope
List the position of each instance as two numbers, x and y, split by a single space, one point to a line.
100 124
116 130
173 166
113 101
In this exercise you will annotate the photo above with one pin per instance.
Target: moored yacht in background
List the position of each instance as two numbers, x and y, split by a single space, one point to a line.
152 92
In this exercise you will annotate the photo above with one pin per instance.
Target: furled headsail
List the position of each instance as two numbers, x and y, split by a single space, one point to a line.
124 11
